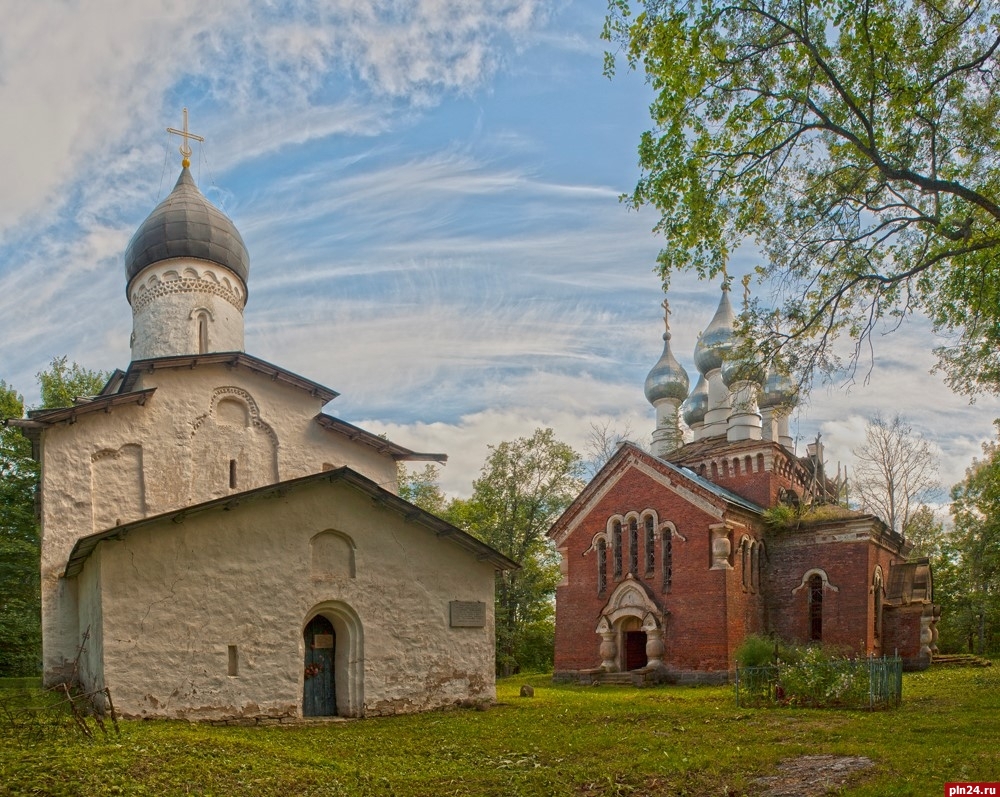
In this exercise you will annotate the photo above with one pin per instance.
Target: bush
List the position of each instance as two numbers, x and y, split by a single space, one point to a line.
757 651
818 679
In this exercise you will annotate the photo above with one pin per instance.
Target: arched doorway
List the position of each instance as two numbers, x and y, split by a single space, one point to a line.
633 644
319 689
340 667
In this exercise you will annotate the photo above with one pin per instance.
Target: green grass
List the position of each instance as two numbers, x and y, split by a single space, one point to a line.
567 740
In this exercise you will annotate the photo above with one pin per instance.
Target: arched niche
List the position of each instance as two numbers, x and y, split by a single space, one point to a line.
118 486
331 555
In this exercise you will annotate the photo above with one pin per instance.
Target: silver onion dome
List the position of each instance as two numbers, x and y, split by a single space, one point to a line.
779 390
186 224
694 408
667 379
717 339
734 370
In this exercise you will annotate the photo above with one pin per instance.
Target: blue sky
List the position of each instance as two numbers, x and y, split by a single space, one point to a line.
429 194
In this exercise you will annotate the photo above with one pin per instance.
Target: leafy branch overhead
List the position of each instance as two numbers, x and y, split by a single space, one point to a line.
854 142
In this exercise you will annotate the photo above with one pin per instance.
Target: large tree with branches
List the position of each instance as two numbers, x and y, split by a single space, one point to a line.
894 471
854 142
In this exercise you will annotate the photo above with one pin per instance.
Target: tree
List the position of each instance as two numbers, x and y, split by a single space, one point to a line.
895 468
602 444
20 628
63 382
523 487
926 534
971 579
20 596
421 488
855 143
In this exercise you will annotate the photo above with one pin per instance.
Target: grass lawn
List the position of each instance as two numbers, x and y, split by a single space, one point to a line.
567 740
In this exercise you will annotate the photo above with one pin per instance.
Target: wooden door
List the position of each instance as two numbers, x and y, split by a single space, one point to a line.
635 650
319 698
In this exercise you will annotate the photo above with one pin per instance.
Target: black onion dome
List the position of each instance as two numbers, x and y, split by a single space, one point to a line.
185 224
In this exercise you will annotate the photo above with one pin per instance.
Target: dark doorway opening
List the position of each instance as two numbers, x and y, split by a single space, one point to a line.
319 693
635 650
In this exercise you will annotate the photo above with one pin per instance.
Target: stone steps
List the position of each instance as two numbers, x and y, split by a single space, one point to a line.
960 660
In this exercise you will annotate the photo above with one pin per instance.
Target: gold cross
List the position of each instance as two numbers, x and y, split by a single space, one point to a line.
666 313
185 150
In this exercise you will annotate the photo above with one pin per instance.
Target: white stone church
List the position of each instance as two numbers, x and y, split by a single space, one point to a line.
215 546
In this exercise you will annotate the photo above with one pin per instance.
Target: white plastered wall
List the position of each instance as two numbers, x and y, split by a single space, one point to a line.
136 461
177 595
167 300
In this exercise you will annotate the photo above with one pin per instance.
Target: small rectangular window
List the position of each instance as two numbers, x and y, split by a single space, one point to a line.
232 473
234 661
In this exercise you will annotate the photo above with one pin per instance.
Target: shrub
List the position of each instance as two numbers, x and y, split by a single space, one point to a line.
757 651
817 679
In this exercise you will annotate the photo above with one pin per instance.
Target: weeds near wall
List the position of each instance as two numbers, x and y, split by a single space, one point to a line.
818 680
31 714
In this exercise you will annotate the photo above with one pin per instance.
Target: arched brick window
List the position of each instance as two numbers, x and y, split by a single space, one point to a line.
616 547
877 589
667 556
650 545
602 566
815 608
633 547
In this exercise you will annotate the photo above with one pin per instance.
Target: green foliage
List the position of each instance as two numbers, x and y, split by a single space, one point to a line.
421 488
967 578
524 486
926 534
855 143
780 516
20 629
63 382
818 679
757 651
567 741
20 596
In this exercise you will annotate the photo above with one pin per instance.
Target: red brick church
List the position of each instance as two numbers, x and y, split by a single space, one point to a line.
669 560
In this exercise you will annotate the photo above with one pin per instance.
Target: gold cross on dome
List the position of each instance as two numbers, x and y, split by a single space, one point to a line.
185 149
666 313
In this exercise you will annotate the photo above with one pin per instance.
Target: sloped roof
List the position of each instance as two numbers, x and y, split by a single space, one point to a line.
412 513
234 359
627 449
38 418
380 444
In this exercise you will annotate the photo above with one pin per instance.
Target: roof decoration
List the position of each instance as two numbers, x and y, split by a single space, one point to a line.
667 379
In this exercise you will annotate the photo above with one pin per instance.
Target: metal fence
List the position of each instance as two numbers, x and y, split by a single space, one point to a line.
848 683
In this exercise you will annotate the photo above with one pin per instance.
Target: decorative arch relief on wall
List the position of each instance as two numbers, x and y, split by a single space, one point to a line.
816 571
117 486
233 448
228 396
332 555
668 529
158 280
629 599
